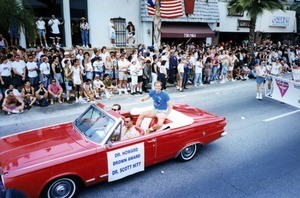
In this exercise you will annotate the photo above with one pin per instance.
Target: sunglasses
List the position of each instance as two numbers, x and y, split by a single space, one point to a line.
115 109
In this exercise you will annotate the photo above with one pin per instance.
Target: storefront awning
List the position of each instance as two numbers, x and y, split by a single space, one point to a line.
185 30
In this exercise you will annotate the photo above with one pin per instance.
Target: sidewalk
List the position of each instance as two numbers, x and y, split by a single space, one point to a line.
57 110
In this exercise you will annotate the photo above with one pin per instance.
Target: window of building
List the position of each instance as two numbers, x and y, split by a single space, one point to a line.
120 24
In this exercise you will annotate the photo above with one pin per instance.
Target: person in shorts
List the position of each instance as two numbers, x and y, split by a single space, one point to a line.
41 29
123 64
131 33
55 92
54 23
12 104
162 107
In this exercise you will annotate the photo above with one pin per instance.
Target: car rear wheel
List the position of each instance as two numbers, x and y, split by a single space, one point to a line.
188 152
62 188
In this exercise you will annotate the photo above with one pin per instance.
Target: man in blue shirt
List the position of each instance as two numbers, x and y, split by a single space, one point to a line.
162 107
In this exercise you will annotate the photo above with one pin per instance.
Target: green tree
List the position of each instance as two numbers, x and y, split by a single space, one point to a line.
19 11
253 8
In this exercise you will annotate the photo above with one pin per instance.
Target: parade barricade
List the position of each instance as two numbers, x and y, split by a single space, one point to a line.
284 89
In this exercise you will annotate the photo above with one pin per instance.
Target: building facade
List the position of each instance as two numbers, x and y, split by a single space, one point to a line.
201 21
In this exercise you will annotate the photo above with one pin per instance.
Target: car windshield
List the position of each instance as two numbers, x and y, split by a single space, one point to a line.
95 124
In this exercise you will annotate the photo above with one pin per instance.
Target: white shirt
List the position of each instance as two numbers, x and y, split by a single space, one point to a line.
31 66
134 69
19 66
261 71
103 56
84 26
45 68
198 67
15 91
111 27
5 69
54 23
98 66
80 58
40 24
296 74
123 65
275 68
98 83
88 67
131 133
180 67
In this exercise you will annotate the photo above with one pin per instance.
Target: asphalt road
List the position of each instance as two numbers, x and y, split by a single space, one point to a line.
258 158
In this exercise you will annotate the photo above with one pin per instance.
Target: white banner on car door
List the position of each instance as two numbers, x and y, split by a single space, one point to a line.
125 161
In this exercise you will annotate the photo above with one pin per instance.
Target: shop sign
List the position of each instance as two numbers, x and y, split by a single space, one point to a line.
190 35
243 23
280 21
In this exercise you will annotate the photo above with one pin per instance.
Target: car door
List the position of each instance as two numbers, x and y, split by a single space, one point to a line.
122 158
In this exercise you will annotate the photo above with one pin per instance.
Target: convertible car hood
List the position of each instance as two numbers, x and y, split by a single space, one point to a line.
40 147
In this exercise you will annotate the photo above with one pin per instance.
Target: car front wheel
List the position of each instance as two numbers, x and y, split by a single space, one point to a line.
188 152
62 188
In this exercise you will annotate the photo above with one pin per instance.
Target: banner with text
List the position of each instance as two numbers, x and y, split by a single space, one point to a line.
125 161
285 90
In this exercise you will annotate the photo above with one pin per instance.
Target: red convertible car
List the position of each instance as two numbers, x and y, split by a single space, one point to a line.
55 161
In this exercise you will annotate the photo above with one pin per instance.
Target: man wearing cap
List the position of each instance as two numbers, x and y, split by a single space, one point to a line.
55 33
84 28
67 56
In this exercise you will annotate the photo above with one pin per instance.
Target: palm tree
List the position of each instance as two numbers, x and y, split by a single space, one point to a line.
19 11
157 24
253 8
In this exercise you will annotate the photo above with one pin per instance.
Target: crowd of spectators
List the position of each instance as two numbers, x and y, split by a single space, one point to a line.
44 76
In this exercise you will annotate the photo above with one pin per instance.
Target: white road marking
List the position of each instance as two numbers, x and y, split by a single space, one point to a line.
280 116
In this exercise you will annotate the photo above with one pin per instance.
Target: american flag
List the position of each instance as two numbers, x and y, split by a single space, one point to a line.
168 8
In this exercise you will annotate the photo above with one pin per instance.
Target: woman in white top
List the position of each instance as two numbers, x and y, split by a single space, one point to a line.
134 69
198 72
261 73
109 66
88 66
